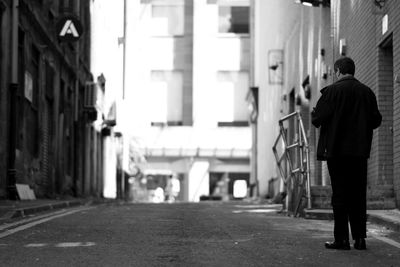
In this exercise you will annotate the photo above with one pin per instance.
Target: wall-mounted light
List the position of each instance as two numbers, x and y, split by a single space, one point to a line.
275 66
315 3
380 3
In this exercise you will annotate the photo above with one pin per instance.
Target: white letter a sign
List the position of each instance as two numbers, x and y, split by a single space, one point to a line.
69 28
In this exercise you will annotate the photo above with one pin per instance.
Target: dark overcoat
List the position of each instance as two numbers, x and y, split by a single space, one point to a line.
347 112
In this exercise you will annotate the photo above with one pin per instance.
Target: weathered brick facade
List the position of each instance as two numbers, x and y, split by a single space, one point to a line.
41 148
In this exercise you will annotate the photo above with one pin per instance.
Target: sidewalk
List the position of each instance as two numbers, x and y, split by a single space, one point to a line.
16 209
386 218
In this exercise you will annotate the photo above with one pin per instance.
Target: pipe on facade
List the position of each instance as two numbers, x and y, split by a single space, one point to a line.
11 172
14 42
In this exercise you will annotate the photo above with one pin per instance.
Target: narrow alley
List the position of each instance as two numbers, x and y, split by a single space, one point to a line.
183 234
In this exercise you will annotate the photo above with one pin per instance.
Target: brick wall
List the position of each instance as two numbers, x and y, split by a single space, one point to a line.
393 10
4 103
360 24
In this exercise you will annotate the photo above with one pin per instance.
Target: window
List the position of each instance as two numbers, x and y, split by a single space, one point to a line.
35 76
49 86
167 20
33 132
66 6
61 97
20 93
234 19
231 106
166 97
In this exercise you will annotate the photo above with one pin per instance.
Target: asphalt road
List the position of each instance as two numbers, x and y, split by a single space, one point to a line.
182 234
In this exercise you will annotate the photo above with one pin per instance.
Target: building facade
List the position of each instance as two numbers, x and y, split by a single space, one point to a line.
45 118
310 39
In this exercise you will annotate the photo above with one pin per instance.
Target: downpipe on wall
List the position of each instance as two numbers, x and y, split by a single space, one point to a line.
13 87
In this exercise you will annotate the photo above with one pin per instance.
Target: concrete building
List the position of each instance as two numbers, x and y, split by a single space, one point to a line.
304 46
107 24
187 76
45 117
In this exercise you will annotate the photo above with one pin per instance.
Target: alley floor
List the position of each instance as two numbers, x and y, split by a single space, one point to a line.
183 234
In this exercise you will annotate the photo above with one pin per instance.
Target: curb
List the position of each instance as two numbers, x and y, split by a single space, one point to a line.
22 212
26 211
387 223
372 217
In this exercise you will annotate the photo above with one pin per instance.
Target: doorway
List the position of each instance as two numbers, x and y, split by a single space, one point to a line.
384 140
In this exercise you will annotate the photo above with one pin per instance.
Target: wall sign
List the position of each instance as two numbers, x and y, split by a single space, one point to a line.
69 28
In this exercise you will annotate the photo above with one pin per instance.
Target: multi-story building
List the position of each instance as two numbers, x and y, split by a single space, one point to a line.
187 77
304 45
46 134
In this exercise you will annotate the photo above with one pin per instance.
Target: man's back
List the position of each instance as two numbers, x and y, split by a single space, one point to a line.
347 113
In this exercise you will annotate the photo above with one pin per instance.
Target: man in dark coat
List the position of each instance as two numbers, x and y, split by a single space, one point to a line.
347 113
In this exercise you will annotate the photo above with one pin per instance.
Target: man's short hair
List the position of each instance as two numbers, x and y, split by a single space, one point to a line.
345 65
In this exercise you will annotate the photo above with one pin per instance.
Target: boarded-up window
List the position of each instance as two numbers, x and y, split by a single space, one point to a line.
167 20
166 96
232 87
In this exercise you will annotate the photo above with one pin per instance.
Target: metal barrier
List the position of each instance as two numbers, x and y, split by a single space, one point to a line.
294 169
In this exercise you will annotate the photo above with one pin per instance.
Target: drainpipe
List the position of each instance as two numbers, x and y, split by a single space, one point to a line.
124 50
11 172
76 111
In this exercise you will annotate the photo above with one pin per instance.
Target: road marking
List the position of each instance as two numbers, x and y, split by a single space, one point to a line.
35 245
62 245
75 244
254 211
387 240
26 220
34 223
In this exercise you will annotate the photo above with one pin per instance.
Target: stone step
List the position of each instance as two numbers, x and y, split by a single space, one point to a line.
379 198
321 197
318 214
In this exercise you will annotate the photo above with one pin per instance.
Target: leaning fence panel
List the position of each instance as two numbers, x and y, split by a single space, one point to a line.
293 162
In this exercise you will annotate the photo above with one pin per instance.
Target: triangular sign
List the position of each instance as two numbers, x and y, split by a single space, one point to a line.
69 28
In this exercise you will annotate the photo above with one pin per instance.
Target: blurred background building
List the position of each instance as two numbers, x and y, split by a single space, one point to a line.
187 77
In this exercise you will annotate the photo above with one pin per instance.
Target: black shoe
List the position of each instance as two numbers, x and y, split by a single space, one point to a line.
343 245
360 244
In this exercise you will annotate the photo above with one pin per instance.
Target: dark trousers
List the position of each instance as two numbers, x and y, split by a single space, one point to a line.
349 190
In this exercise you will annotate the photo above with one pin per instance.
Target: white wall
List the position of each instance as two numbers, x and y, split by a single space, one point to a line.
199 180
274 20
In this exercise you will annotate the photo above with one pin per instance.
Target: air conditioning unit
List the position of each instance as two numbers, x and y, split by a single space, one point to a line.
90 95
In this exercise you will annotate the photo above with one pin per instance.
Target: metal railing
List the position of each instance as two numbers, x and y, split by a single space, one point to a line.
294 161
